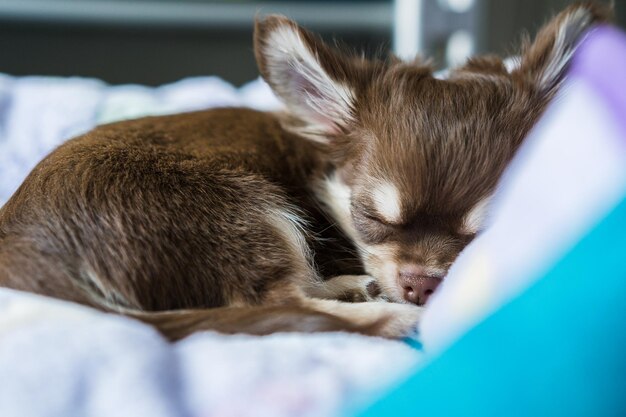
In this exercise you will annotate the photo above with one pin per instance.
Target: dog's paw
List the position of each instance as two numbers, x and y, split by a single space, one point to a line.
353 288
376 318
399 320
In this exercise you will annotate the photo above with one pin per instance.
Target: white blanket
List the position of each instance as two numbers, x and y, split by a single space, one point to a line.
60 359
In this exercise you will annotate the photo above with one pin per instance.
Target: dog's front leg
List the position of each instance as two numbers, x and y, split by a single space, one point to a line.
392 320
350 288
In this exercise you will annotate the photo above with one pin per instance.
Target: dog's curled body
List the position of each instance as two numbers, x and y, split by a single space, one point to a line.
200 195
244 221
201 210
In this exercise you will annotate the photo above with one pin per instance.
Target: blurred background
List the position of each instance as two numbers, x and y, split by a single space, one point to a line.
157 41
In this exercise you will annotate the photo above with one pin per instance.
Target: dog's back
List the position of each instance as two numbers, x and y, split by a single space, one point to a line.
161 213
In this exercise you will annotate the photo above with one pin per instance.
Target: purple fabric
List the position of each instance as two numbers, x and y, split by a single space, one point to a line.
601 62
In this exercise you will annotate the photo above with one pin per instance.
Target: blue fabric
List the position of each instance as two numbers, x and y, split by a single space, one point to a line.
557 350
415 344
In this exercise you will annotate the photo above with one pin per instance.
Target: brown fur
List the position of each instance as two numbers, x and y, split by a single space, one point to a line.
251 320
220 219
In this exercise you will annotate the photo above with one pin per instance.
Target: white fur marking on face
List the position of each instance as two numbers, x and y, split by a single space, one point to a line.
379 262
475 219
387 201
328 101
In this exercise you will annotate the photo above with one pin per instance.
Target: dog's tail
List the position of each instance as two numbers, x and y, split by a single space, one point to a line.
22 270
254 320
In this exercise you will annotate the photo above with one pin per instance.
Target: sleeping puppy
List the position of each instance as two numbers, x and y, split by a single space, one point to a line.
343 212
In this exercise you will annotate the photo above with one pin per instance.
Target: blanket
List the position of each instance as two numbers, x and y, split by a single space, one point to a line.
58 360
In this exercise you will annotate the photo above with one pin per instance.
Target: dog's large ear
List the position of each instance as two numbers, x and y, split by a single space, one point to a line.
545 61
307 75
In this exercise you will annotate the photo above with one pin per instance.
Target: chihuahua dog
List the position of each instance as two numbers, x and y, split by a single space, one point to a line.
343 212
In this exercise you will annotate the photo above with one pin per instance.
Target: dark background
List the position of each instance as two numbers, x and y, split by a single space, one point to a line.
157 41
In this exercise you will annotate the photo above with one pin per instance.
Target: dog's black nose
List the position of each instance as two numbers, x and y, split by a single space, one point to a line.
417 286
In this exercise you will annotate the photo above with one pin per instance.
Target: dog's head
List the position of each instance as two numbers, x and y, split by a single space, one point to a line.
414 159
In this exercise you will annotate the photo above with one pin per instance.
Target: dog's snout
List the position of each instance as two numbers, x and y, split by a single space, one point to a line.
417 285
